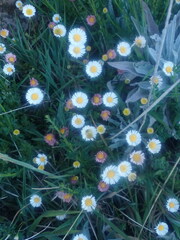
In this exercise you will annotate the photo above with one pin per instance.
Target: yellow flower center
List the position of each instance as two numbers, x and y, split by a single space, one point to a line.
77 37
168 69
36 200
100 155
91 19
150 130
136 157
123 49
123 168
126 111
19 4
79 100
105 57
152 145
138 42
62 130
34 96
110 174
171 205
161 228
29 12
93 69
155 80
109 99
41 167
16 132
9 69
89 134
110 54
11 59
133 138
100 129
96 99
49 137
1 49
42 159
76 164
88 202
102 184
78 121
144 100
3 33
58 31
77 50
57 18
67 196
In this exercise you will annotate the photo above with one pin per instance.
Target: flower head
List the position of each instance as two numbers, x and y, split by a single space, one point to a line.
76 50
105 10
162 229
126 111
69 104
18 4
102 186
154 146
9 69
101 156
156 80
35 200
79 99
93 69
168 68
64 131
4 33
101 129
10 58
110 99
16 132
105 115
79 236
140 42
110 175
150 130
88 133
124 168
91 20
77 36
144 101
74 179
2 48
132 177
111 54
50 139
96 100
34 96
51 25
172 205
124 49
137 157
104 57
28 10
78 121
59 30
56 18
33 82
41 159
133 138
67 197
88 203
76 164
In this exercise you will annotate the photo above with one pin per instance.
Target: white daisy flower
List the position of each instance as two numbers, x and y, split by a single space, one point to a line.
133 138
156 80
35 200
2 48
88 203
162 229
140 42
132 177
137 157
78 121
110 99
56 18
124 169
124 49
59 30
76 50
34 96
154 146
79 99
93 69
41 159
172 205
168 68
110 175
77 36
28 10
101 129
61 217
88 133
19 4
9 69
80 237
